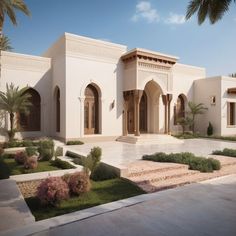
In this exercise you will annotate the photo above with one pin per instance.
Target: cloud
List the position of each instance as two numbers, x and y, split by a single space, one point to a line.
144 10
175 19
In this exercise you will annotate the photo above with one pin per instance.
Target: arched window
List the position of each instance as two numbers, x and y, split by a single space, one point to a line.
179 109
91 110
32 121
58 110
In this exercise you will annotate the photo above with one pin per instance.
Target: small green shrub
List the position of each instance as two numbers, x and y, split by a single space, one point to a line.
77 159
62 164
210 129
226 152
195 163
103 172
46 149
74 142
59 152
31 151
93 159
12 144
27 143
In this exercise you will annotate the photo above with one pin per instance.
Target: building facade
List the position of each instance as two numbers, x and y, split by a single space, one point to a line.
82 87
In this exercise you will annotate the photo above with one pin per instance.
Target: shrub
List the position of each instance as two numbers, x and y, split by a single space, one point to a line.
103 172
46 149
52 191
195 163
20 157
210 129
62 164
31 162
27 143
226 152
59 152
77 159
78 183
74 142
31 151
13 144
93 159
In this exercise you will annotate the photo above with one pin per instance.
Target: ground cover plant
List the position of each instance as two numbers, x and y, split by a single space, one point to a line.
226 152
74 142
100 193
195 163
8 166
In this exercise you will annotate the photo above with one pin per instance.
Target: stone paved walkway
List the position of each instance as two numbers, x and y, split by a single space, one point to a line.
13 209
120 154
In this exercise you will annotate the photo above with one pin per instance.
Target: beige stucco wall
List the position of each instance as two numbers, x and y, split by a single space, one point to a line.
183 81
97 62
26 70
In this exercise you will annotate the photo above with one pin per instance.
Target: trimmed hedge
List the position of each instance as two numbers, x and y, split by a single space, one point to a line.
74 142
103 172
77 159
62 164
195 163
226 152
21 143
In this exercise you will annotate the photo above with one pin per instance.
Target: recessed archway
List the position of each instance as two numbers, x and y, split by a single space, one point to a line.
31 121
180 108
91 109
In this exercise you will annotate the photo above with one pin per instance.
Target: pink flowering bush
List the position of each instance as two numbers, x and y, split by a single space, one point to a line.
52 191
20 157
31 162
78 182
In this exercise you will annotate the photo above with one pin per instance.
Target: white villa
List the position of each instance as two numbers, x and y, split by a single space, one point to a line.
82 87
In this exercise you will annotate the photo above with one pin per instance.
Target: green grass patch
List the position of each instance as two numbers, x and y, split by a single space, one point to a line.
186 136
101 192
226 152
195 163
8 166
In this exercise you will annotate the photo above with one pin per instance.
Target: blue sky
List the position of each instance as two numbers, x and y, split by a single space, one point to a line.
155 24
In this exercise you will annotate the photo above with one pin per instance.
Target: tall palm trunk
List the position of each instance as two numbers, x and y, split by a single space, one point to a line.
11 133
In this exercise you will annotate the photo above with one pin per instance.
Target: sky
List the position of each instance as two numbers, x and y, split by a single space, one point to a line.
157 25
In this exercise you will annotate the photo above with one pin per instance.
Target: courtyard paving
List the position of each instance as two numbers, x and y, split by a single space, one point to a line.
120 154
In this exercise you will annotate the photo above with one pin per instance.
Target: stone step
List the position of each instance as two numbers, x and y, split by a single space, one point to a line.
167 175
180 181
141 168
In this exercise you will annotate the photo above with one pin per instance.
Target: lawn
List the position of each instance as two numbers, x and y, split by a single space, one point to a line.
101 192
8 167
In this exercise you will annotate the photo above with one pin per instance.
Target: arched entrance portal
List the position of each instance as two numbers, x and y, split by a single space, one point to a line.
142 109
91 110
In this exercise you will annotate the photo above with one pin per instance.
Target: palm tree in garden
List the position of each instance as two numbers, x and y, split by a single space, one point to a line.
213 9
14 101
5 44
195 109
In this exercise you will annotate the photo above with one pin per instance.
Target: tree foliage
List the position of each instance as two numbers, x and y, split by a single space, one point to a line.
212 9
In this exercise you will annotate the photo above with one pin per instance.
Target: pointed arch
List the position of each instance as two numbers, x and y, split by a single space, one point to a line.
31 121
57 109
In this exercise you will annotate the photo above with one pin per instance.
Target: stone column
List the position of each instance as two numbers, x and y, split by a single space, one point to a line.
169 99
137 97
165 102
126 96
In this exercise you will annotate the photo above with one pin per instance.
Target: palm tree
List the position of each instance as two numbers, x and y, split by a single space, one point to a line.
13 101
195 109
5 44
8 7
214 9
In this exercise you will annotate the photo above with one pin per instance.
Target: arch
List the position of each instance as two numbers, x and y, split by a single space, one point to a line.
91 109
57 103
155 81
32 121
180 108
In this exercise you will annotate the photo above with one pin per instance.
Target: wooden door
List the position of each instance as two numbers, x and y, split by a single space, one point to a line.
143 113
91 110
